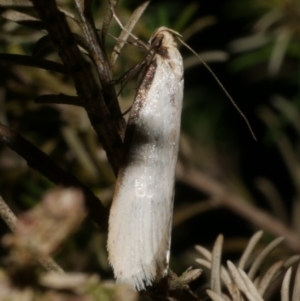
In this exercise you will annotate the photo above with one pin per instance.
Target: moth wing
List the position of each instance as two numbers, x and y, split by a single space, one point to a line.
141 213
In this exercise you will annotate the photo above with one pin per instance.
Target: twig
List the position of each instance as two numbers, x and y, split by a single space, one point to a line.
39 161
135 16
32 62
107 18
87 88
11 220
99 57
7 215
60 99
260 218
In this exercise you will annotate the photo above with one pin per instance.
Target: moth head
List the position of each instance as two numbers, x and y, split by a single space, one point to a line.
163 37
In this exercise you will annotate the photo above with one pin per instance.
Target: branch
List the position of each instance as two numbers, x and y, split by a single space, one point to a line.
99 57
11 221
87 88
32 62
107 18
260 218
59 99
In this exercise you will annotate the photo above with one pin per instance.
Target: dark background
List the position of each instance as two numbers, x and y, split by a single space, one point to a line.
221 145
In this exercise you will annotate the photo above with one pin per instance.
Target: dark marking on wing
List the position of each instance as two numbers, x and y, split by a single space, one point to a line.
147 78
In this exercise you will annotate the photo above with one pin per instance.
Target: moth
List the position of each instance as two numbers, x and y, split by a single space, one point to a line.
140 219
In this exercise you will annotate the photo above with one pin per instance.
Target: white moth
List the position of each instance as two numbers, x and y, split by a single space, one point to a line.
142 208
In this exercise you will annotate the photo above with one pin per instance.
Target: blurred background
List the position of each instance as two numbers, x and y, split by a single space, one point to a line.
253 47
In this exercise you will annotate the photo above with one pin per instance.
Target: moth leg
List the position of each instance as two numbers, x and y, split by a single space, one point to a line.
123 79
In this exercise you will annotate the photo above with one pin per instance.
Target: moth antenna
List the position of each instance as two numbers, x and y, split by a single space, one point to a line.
137 40
135 43
221 86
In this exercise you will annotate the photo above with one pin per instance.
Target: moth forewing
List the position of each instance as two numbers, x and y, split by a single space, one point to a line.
141 212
